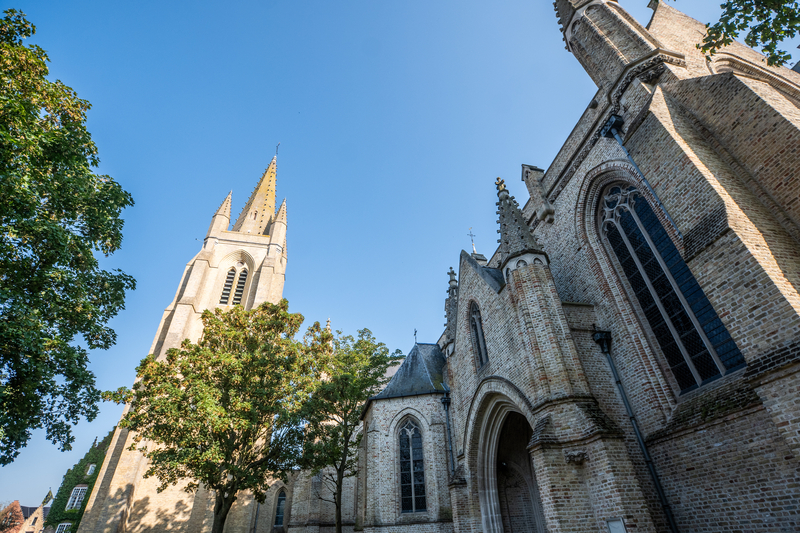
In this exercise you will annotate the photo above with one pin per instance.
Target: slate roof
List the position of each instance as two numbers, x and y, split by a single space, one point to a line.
420 373
27 511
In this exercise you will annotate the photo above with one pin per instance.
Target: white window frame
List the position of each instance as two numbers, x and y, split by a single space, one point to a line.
63 527
91 469
76 498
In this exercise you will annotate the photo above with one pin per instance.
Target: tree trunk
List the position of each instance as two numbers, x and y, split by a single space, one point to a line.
338 500
221 507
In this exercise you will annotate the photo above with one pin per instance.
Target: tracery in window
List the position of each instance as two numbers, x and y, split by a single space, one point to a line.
412 469
478 338
696 344
237 296
76 498
226 289
279 508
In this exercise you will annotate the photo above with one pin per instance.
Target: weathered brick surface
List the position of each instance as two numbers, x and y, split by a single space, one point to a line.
719 142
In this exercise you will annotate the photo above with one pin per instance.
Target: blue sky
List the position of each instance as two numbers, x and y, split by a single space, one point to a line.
394 120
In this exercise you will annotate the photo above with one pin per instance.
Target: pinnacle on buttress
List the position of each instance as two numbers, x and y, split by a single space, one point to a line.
222 218
225 207
515 235
260 208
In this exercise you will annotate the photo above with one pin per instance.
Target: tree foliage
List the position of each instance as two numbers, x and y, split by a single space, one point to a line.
55 213
77 475
765 23
224 412
353 370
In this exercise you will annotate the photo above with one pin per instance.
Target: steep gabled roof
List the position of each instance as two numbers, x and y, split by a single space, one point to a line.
492 276
420 373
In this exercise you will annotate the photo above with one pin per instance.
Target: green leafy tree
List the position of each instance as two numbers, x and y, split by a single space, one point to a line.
224 412
765 23
353 370
55 213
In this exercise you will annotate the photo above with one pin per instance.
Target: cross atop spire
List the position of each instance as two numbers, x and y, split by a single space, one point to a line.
260 208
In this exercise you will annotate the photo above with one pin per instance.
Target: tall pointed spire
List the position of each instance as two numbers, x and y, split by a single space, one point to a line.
260 208
515 235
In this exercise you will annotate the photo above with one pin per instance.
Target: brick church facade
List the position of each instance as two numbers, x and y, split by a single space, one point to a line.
627 359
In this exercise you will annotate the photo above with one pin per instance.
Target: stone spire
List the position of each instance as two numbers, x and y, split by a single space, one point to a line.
604 38
516 238
222 218
260 208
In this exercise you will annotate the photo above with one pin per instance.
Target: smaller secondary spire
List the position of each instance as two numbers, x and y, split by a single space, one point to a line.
225 206
515 235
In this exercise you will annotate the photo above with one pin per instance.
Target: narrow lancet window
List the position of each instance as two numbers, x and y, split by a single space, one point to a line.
478 339
412 469
279 508
237 296
696 344
226 289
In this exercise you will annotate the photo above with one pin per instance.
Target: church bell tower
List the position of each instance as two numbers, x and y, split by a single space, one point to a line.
240 265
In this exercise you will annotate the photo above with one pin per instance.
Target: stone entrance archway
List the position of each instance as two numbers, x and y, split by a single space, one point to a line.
507 489
517 492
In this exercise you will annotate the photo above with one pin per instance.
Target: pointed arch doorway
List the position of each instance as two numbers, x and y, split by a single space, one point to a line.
508 492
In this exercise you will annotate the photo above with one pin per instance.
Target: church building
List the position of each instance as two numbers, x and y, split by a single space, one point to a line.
627 360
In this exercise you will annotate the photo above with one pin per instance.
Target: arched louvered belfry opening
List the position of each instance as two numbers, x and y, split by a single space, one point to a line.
693 339
478 337
225 297
240 285
412 469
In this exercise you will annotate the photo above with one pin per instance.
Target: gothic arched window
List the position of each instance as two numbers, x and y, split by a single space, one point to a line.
696 344
226 289
478 338
412 469
237 296
279 508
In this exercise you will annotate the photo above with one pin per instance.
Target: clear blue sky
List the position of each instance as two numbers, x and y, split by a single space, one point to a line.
394 118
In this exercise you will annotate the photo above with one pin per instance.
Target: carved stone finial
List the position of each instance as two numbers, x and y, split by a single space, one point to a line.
501 184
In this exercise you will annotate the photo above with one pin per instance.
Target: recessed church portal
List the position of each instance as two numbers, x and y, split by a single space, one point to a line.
520 504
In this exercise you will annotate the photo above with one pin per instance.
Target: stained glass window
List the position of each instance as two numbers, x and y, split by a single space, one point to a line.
478 339
280 508
695 343
412 469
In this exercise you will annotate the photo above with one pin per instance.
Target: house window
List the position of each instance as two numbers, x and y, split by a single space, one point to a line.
412 469
478 339
695 343
280 508
63 527
76 498
91 469
226 289
35 518
237 296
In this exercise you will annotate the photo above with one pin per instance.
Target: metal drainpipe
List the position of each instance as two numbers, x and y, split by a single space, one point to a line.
255 526
603 339
611 130
446 404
